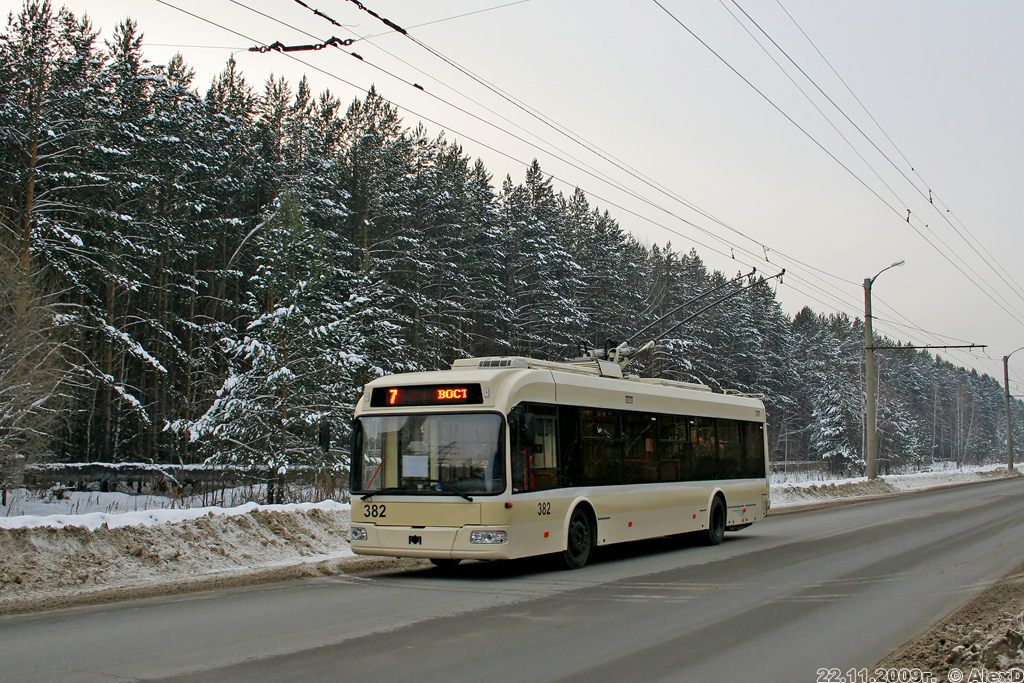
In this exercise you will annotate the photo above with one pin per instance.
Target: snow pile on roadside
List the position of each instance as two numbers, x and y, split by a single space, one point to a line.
986 632
151 517
929 480
999 647
62 501
64 554
806 493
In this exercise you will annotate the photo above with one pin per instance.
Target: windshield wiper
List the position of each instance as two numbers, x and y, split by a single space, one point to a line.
393 489
398 489
450 487
461 493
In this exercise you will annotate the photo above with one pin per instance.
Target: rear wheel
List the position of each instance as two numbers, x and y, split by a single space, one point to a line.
715 532
580 541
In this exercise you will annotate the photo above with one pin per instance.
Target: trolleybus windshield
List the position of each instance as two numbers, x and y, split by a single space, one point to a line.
453 454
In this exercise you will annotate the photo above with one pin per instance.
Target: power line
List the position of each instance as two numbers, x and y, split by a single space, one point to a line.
802 91
1013 314
931 194
457 16
204 19
845 139
387 22
988 259
320 14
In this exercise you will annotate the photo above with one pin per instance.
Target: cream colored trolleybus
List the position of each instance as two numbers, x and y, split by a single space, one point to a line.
500 458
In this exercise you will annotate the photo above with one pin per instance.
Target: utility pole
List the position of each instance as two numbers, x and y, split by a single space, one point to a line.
1009 423
870 381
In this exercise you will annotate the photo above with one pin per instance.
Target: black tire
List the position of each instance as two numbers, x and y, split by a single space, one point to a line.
715 532
579 544
444 563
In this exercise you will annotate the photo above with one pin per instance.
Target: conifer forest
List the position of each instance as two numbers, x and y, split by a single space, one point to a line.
211 278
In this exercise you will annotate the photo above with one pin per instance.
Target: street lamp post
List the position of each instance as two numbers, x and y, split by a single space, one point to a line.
870 383
1009 424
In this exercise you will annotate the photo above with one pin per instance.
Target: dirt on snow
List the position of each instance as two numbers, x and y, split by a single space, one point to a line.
984 635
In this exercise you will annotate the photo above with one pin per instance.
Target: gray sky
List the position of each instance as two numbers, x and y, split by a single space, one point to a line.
942 78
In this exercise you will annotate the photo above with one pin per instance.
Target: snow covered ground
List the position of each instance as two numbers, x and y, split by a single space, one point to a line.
92 547
797 490
61 560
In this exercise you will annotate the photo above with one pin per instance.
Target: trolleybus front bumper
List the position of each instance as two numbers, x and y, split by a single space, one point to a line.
457 543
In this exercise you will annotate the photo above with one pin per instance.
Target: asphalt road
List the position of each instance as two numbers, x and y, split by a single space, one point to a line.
831 588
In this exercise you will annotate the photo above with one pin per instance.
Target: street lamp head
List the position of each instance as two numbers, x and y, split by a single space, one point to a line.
868 281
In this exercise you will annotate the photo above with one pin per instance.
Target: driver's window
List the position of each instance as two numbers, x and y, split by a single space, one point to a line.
534 448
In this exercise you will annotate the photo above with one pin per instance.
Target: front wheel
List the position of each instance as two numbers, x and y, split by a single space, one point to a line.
580 542
715 532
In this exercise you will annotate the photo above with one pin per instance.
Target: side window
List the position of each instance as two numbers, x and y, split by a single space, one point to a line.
570 445
705 448
730 449
675 452
534 448
602 447
519 437
641 438
754 451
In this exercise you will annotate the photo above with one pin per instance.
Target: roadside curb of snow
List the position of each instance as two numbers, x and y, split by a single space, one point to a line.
986 632
216 581
63 564
853 488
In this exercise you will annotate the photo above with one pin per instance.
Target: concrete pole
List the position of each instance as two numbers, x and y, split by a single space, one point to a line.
870 384
870 377
1009 423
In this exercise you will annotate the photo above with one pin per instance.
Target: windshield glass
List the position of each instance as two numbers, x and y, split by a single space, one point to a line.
456 454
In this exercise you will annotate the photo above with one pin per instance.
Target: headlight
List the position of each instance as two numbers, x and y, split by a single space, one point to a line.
357 533
488 537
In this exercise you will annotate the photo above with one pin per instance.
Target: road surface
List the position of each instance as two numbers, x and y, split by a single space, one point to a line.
838 587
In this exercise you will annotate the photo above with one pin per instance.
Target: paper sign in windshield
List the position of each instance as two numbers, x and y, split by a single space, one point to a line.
416 466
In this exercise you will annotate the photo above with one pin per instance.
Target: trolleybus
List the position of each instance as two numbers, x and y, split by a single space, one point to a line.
501 458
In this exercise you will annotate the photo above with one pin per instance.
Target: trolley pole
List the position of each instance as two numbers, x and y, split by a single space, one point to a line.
1009 423
870 380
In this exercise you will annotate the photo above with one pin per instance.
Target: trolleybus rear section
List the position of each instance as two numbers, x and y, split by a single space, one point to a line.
500 458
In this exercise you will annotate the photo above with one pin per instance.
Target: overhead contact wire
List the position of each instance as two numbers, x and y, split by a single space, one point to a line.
990 260
1012 314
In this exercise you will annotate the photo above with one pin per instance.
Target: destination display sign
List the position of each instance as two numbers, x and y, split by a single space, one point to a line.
427 395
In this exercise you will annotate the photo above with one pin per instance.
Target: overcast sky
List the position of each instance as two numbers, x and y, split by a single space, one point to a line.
942 79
